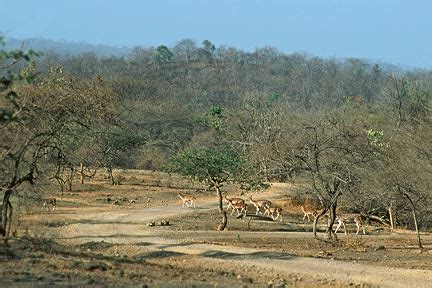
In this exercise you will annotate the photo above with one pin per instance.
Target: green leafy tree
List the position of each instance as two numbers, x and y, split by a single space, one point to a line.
217 163
10 106
214 118
212 166
208 46
163 54
207 50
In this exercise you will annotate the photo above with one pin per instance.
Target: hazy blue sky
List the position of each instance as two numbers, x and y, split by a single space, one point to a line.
395 31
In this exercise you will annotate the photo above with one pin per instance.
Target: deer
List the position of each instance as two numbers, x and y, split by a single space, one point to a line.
50 201
118 180
308 212
260 204
347 218
273 212
240 208
233 201
187 200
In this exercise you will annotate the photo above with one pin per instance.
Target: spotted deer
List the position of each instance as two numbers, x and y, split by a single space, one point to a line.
350 218
50 201
260 204
187 200
233 201
241 208
274 212
308 213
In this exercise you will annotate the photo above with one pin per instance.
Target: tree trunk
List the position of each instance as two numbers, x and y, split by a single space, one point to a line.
221 210
82 173
316 221
6 213
331 220
110 174
416 228
390 211
415 220
8 228
70 181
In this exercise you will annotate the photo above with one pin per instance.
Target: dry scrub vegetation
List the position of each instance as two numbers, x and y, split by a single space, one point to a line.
312 146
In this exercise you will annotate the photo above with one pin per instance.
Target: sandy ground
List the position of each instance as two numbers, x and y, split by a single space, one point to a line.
190 253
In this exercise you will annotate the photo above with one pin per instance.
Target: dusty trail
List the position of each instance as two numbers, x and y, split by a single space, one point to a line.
318 268
98 226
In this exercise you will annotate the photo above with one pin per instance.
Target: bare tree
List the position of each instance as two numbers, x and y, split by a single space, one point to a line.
51 111
332 154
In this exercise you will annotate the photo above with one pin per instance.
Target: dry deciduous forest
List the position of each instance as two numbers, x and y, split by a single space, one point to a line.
212 166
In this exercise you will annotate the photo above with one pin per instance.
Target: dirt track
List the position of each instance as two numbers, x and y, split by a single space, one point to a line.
189 252
129 228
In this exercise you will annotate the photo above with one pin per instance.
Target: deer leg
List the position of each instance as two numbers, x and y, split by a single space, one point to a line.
346 232
359 225
338 226
228 207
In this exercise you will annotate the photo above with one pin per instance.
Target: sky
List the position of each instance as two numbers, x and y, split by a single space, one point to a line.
393 31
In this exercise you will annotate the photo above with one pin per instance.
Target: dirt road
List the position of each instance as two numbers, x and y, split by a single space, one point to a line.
129 227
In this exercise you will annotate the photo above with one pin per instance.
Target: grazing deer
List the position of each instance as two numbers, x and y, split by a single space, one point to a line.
308 212
347 218
233 201
273 212
118 180
260 204
50 201
240 208
188 200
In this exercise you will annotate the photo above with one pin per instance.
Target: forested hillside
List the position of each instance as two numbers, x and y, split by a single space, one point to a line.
358 132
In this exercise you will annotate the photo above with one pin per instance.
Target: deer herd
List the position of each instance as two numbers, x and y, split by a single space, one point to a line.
263 207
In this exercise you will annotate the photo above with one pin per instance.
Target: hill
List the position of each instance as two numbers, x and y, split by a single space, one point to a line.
65 47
